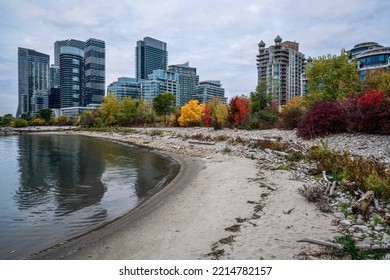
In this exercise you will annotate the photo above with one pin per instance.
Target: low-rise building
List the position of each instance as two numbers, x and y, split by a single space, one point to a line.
207 90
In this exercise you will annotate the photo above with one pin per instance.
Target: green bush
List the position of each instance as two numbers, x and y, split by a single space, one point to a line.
19 123
37 121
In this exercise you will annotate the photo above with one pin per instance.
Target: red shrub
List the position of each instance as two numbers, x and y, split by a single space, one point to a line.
368 113
322 119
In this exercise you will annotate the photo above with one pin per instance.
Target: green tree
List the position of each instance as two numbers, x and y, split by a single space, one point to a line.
164 104
332 77
6 120
110 110
133 111
259 99
46 114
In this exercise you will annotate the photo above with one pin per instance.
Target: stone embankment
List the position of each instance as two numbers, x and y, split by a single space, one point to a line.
371 228
6 131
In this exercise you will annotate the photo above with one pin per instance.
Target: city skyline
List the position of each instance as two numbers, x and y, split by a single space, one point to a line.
219 39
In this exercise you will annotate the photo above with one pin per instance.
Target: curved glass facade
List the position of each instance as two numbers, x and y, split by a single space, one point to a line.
71 77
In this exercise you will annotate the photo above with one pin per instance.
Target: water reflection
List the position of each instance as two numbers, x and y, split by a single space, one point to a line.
54 187
61 170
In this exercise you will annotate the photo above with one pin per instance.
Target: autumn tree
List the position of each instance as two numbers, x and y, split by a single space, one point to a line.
218 113
110 110
207 115
378 79
191 113
332 77
238 111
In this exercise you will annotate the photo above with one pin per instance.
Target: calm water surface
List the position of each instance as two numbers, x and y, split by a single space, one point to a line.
53 187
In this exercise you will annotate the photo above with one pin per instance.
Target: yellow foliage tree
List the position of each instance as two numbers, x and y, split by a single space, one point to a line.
191 114
110 109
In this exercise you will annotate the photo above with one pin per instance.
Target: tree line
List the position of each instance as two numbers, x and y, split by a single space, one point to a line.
336 101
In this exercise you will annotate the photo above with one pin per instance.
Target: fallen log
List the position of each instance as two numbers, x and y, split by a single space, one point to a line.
384 247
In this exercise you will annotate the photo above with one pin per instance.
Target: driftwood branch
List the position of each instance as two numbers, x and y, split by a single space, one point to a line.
322 243
384 248
332 188
201 142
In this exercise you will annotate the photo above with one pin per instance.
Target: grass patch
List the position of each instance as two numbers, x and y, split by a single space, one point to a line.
268 144
349 248
221 137
284 167
156 133
367 174
227 150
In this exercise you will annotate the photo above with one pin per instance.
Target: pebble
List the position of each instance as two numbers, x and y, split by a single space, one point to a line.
345 223
368 241
379 228
360 228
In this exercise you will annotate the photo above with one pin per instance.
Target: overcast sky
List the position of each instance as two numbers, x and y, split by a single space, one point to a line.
219 38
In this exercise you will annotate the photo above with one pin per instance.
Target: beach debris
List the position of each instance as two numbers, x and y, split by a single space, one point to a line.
227 240
313 193
288 212
234 228
240 220
259 207
215 254
362 204
380 247
201 142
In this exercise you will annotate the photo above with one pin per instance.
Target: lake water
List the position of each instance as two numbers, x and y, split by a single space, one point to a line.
54 187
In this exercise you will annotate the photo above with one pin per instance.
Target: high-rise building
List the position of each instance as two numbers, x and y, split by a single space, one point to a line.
160 81
33 75
150 55
188 80
207 90
125 87
281 66
54 76
95 71
71 76
70 43
370 56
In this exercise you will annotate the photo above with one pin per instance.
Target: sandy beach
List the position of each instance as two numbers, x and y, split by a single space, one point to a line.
218 207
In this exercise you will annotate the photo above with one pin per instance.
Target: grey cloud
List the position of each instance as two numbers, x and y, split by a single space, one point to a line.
218 37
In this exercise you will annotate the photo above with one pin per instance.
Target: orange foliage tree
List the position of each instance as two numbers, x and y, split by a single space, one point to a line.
191 113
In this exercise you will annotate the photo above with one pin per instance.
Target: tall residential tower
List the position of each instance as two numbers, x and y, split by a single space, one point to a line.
281 66
95 71
150 55
33 78
71 77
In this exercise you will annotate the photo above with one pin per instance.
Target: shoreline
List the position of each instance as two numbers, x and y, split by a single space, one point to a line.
69 247
206 212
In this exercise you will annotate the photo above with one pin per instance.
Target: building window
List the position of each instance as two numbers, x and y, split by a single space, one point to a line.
75 61
75 70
